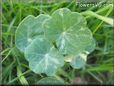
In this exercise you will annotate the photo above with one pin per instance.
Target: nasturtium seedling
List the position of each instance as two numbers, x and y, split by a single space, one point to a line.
49 41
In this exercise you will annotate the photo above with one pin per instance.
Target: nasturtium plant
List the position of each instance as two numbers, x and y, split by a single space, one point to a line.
49 41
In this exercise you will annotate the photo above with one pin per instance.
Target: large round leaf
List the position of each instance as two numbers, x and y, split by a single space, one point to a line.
68 29
43 57
29 29
50 81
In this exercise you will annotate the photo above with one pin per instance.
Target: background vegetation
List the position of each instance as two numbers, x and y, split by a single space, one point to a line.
100 63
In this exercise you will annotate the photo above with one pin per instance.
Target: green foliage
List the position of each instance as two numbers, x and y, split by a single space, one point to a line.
68 30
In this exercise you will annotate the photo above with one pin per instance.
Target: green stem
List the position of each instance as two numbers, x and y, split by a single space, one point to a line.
22 78
58 77
61 71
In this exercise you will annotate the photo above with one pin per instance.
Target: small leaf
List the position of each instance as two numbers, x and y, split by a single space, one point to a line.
79 61
68 29
50 81
43 57
29 29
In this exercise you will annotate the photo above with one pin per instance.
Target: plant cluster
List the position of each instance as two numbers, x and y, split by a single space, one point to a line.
49 41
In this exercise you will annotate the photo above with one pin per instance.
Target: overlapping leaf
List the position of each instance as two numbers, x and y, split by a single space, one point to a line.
68 29
43 57
28 30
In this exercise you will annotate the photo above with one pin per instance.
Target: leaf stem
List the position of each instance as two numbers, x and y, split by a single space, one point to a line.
61 71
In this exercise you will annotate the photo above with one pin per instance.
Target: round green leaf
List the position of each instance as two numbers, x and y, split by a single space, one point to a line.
50 81
79 61
68 29
43 57
29 29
